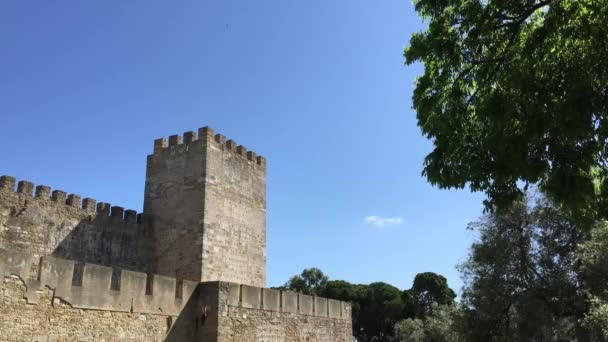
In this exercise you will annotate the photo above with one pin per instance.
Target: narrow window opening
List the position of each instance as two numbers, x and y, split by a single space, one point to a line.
149 284
77 275
179 289
116 275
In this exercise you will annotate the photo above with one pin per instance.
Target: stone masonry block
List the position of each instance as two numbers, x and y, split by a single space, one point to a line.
7 183
233 293
25 187
189 137
95 292
251 296
57 273
117 212
220 139
160 144
320 307
131 216
88 204
59 196
175 140
347 310
289 301
133 285
271 299
261 161
231 145
103 209
335 308
43 192
73 200
205 133
241 150
306 306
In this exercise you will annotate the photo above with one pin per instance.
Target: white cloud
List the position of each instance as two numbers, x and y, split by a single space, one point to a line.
378 221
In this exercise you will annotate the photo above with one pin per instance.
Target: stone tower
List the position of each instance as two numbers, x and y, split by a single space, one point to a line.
205 204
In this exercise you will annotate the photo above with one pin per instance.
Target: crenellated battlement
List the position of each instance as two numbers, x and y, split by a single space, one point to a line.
259 298
177 142
88 206
90 286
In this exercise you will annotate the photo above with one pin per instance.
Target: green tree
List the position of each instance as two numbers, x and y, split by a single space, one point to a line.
521 279
593 254
378 306
310 281
380 309
429 288
410 330
515 93
443 325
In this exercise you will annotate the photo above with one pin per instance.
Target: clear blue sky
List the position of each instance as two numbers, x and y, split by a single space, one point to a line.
318 87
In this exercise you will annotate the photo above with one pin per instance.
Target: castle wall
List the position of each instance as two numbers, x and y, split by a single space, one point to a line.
234 239
75 269
48 304
56 320
249 325
45 223
242 313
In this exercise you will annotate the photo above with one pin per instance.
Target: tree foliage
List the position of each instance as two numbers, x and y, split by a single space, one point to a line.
521 279
515 93
443 325
309 282
593 255
377 307
429 288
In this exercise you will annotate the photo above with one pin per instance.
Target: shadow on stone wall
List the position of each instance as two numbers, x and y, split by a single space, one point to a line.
198 320
107 241
185 325
124 245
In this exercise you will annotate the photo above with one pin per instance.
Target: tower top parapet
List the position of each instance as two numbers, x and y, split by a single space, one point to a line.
163 145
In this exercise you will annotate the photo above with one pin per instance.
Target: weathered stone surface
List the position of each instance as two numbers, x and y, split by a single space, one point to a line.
40 226
320 306
207 186
241 323
56 320
306 305
271 300
249 325
251 297
290 302
334 308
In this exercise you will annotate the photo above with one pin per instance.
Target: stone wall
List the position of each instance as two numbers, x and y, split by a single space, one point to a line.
234 239
58 303
53 319
51 305
174 199
65 226
249 325
206 199
75 269
242 313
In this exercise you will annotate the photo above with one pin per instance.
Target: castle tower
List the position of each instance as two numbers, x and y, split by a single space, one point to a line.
205 202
